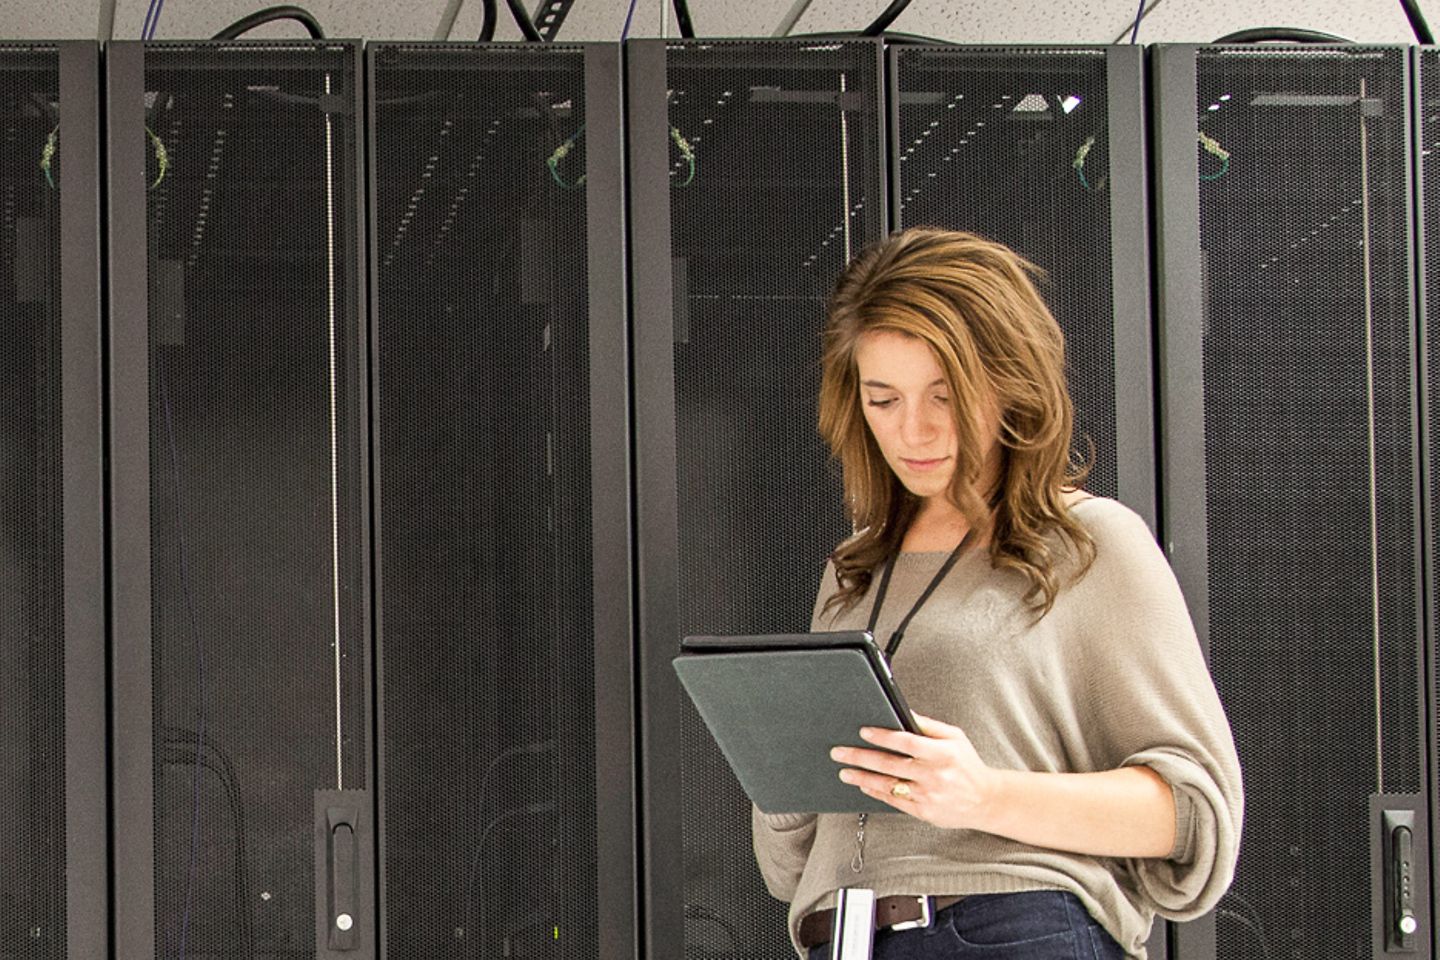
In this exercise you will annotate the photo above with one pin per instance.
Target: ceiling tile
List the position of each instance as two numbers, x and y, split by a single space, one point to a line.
1170 21
40 20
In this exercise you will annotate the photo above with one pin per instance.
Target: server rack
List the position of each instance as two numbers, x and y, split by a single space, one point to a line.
506 772
1290 485
240 563
53 891
756 171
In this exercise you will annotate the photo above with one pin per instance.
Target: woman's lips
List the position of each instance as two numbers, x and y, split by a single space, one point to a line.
923 465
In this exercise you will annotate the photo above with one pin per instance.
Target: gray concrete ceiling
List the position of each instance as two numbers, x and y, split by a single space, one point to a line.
975 21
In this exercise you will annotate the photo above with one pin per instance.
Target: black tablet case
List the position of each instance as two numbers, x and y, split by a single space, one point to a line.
777 712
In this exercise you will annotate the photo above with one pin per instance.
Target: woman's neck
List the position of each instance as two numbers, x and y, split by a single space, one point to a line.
939 525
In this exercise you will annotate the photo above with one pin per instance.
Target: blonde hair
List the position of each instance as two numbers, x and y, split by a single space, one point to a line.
973 303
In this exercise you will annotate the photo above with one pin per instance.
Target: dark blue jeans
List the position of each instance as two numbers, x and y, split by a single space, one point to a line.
1037 925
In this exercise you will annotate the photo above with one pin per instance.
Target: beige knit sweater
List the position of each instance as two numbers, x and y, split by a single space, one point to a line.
1112 676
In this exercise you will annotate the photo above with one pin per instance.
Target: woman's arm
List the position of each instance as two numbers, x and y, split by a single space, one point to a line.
782 845
1128 812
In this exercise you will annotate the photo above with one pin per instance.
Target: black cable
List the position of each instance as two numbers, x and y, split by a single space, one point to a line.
1417 22
523 21
176 745
283 12
896 8
1281 35
1255 926
487 26
682 17
695 911
891 38
475 898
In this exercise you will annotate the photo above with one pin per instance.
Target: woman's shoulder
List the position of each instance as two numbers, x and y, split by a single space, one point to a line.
1125 546
1104 518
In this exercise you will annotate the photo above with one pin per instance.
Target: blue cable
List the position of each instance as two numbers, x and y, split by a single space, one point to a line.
1139 15
626 32
152 19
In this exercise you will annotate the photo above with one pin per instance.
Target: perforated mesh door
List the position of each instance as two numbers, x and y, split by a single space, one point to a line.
1428 137
256 487
487 606
32 640
1307 319
783 185
989 140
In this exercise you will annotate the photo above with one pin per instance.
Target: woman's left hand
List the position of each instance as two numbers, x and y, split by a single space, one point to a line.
937 777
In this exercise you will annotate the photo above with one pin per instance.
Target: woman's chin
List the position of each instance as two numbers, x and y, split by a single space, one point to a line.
926 488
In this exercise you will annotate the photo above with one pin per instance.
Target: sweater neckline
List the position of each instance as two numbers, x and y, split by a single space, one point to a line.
921 554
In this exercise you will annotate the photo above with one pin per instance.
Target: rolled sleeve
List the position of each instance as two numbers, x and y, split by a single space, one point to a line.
1198 870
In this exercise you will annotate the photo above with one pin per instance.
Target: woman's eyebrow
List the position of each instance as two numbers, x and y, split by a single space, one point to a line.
882 385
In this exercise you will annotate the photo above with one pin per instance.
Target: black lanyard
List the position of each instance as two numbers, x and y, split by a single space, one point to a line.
899 633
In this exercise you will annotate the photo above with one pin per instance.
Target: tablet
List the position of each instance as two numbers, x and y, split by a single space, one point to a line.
777 703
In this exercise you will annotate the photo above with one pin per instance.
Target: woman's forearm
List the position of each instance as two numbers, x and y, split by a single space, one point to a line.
1129 812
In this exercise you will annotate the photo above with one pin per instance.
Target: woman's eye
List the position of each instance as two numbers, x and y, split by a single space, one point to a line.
881 403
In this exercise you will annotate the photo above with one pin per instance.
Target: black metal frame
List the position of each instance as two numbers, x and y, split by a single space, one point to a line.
1429 521
129 491
611 546
657 523
1135 433
129 374
611 433
82 436
1179 301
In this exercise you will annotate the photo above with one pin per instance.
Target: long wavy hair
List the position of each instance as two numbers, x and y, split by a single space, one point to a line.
974 304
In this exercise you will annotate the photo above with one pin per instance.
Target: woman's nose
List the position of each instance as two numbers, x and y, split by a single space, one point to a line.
919 425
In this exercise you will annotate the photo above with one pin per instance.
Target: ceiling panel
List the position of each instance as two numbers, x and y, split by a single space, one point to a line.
1102 21
48 19
978 21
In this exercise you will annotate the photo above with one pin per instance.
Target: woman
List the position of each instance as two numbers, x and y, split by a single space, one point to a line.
1076 774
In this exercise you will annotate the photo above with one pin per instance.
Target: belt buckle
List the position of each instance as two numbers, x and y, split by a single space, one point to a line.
927 916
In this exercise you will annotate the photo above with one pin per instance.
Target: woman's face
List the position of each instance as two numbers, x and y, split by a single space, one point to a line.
908 406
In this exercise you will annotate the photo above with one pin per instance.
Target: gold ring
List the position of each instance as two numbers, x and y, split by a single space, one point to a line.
901 789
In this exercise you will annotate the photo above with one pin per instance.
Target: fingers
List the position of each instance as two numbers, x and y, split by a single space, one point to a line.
916 745
879 761
881 788
939 775
938 729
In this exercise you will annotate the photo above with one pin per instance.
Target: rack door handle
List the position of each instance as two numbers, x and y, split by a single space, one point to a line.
344 879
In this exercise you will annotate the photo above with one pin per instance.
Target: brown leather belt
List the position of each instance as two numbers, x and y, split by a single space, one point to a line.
816 928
